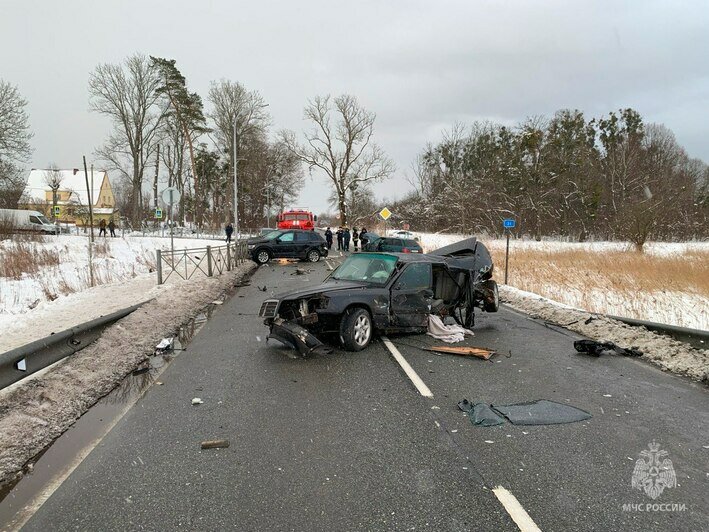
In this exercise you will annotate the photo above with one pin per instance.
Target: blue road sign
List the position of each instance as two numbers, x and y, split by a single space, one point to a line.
158 213
509 223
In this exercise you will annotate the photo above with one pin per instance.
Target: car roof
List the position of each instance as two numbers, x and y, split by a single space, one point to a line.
406 257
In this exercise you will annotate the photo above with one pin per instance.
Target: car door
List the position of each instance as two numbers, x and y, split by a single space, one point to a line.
285 245
302 244
412 295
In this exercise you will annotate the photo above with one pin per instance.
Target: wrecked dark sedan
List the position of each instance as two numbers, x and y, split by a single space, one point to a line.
385 292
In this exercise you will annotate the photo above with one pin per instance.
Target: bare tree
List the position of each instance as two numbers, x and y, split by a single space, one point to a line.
234 105
15 139
127 94
53 179
341 145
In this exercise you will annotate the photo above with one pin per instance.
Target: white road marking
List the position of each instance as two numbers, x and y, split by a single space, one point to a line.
518 514
420 385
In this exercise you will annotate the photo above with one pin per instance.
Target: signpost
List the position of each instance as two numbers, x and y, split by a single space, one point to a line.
158 213
385 214
171 196
508 224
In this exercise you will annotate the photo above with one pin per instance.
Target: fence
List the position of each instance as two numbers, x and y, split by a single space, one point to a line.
210 261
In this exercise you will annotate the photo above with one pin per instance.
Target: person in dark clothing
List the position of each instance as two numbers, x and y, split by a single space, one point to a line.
355 238
328 238
102 227
363 238
339 238
346 238
112 227
229 229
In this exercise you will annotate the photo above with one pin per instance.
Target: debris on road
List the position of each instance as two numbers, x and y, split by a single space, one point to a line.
451 334
480 352
262 289
296 337
480 414
214 444
141 369
541 412
197 401
596 349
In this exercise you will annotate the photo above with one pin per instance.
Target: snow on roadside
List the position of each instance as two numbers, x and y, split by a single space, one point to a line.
34 414
124 259
667 353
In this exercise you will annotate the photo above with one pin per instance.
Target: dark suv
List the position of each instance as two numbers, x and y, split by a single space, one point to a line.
287 244
392 245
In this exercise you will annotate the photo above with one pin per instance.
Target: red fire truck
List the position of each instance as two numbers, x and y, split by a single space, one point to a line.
298 218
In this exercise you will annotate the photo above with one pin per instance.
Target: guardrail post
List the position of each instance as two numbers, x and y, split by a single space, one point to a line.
158 257
228 256
209 261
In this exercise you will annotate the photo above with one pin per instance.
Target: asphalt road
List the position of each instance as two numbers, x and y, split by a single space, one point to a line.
345 442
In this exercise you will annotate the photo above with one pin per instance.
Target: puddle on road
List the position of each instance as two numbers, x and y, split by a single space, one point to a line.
63 452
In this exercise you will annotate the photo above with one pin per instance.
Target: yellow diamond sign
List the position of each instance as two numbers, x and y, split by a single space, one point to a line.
385 213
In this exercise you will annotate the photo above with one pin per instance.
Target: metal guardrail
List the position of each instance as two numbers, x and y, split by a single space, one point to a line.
695 337
209 260
23 361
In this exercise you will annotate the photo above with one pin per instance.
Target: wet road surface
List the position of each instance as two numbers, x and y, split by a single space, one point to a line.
346 442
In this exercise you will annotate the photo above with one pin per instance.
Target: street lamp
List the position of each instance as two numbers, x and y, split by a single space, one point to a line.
236 197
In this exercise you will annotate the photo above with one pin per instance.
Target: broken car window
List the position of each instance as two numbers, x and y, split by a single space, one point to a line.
416 275
371 268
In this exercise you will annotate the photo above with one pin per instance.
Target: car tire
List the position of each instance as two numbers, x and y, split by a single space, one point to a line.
356 329
491 303
313 255
262 256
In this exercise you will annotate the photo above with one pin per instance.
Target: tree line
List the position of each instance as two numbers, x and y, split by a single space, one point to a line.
614 177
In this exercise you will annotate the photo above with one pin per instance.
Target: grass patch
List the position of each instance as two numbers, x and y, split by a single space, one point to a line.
23 258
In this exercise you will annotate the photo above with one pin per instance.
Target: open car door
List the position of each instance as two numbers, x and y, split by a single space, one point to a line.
412 296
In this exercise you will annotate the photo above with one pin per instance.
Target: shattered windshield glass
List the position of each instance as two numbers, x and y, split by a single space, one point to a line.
371 268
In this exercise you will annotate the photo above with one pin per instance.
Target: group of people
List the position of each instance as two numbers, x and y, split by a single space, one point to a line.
344 236
102 227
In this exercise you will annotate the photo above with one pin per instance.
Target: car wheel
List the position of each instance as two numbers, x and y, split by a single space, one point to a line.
313 255
356 329
492 297
262 256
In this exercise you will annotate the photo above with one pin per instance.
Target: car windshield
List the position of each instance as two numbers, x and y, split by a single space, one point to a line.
272 235
368 267
44 220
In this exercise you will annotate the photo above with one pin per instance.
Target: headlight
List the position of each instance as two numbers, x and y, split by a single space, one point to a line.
250 246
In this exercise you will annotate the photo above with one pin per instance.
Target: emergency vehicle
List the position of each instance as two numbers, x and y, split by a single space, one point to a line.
298 218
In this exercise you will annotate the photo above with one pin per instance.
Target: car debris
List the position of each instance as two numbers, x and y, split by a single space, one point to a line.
166 344
596 349
480 352
297 337
214 444
539 412
388 293
197 401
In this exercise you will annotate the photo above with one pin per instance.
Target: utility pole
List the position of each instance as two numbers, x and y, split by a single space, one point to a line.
236 192
91 223
155 181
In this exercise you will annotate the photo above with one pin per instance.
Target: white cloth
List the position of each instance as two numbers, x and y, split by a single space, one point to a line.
448 333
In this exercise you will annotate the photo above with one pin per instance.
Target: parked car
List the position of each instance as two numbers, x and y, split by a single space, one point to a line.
287 244
392 292
404 234
393 245
25 220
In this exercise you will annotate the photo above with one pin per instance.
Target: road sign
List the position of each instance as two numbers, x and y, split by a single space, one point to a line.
171 195
158 213
385 213
509 223
57 210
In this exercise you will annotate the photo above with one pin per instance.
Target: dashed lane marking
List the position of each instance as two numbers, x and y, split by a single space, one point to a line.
413 376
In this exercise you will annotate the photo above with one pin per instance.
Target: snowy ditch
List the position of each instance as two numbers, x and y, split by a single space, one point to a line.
42 408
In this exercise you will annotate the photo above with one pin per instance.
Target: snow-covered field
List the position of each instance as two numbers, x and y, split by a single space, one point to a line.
59 296
667 283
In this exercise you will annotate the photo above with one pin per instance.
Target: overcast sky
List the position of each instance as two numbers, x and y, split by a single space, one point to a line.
420 66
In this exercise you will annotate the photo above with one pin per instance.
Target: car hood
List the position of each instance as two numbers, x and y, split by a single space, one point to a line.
332 285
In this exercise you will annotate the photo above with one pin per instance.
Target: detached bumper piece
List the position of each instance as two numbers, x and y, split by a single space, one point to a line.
296 337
